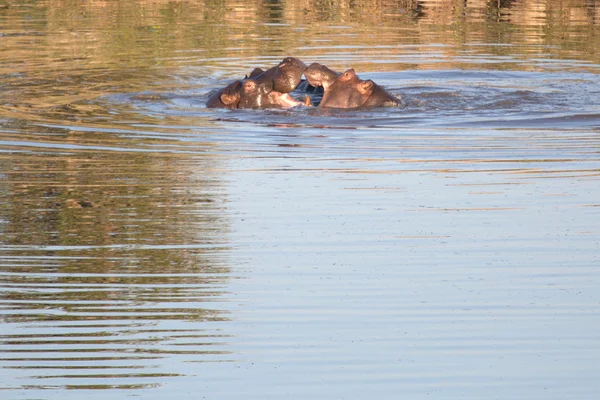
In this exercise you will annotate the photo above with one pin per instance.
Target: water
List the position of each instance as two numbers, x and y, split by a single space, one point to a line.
151 247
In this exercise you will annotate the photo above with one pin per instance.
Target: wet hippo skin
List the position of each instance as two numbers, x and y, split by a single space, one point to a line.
270 88
319 75
347 90
382 98
262 89
228 97
255 94
288 75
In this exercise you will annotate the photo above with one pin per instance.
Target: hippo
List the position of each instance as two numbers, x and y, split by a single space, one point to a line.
255 94
347 90
228 97
288 75
262 89
319 75
270 88
381 98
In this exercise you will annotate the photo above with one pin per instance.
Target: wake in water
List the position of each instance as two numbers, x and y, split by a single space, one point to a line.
439 99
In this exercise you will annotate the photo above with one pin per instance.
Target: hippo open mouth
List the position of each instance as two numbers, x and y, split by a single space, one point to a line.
271 88
288 75
262 89
347 90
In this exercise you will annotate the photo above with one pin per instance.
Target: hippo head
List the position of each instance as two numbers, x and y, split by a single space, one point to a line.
256 94
253 93
288 75
368 93
228 97
262 89
231 95
381 98
320 76
347 91
265 88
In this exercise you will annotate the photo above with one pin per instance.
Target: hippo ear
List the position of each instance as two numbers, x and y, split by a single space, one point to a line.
255 72
365 86
229 99
231 94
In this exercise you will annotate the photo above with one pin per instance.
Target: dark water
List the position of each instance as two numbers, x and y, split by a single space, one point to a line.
151 247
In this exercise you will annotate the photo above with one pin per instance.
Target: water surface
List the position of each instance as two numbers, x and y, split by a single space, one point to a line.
152 247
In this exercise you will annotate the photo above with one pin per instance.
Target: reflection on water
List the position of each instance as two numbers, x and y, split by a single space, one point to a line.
111 260
150 246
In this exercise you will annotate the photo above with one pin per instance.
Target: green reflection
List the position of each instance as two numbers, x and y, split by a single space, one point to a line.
112 184
99 248
134 41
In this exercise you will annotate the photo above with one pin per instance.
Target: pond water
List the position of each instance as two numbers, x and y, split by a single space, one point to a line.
151 247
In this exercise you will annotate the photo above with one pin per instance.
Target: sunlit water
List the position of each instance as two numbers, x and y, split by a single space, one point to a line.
151 247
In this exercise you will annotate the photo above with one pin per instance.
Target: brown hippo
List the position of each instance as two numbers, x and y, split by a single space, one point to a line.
288 75
270 88
381 98
319 75
255 94
262 89
228 97
347 90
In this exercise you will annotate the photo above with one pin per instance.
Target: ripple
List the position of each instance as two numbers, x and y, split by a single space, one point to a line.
150 246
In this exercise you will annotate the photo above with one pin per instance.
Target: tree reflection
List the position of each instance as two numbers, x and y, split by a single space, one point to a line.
107 235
